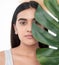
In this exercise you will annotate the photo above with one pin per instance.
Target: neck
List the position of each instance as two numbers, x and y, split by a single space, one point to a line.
27 50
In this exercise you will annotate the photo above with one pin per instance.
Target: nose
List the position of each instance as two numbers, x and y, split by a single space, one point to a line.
29 28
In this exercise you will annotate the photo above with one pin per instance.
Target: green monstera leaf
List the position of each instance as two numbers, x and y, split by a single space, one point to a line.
47 56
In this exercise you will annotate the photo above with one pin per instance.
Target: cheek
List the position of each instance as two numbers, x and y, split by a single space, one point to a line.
21 32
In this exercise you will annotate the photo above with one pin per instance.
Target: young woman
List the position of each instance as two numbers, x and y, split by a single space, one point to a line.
23 51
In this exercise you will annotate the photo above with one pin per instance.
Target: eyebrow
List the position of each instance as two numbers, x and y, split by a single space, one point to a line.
21 19
24 19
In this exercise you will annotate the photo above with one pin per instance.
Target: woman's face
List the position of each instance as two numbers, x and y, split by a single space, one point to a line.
23 26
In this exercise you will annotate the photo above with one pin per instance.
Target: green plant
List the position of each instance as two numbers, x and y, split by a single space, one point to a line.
47 56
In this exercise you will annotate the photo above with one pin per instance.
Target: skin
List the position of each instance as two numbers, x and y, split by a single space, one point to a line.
2 58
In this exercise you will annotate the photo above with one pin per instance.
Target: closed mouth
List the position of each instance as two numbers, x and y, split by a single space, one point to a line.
29 36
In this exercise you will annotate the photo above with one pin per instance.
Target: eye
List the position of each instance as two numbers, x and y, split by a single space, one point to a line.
23 22
36 22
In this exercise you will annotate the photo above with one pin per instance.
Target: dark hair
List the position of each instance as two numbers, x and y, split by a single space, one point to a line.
14 38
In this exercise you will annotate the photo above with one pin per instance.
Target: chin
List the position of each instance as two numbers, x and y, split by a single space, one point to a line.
30 43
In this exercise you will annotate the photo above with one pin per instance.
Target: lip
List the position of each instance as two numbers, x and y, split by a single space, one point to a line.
29 36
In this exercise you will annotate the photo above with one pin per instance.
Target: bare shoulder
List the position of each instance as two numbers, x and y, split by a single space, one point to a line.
2 58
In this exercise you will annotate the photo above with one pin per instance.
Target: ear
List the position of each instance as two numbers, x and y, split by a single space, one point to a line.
15 29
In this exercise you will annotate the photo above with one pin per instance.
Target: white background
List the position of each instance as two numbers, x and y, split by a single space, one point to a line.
7 8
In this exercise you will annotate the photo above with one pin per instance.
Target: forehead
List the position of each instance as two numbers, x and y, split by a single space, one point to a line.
28 13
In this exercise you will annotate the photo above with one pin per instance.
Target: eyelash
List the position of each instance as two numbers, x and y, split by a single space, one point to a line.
36 22
23 23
